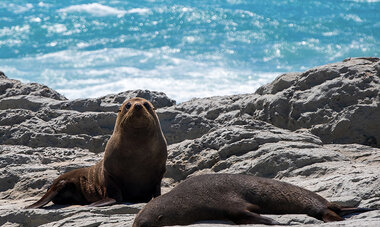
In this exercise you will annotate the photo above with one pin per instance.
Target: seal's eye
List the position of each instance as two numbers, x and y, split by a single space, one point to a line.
147 106
128 105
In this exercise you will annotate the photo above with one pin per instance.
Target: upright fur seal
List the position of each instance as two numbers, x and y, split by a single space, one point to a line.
237 198
132 167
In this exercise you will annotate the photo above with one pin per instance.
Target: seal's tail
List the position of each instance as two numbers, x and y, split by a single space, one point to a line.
49 195
340 213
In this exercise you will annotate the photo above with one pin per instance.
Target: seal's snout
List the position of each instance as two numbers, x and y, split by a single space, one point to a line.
138 106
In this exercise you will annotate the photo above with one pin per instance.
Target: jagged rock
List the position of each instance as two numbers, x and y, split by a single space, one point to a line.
111 103
258 148
192 119
36 116
210 108
338 102
10 88
178 126
27 171
220 148
72 216
2 75
345 174
303 128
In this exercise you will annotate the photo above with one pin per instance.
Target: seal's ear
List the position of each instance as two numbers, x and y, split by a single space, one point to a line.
159 218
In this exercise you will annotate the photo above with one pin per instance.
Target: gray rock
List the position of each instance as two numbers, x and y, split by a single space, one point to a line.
192 119
27 171
10 88
71 216
218 149
303 128
111 103
345 174
178 126
372 219
2 75
261 149
210 108
338 102
281 83
36 116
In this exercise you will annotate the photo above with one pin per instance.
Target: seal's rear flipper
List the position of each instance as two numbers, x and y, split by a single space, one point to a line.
103 202
330 216
49 195
347 212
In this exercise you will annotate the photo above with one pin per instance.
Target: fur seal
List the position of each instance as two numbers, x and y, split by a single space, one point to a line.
131 170
237 198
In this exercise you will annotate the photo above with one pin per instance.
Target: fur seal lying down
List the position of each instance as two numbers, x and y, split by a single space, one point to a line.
132 167
237 198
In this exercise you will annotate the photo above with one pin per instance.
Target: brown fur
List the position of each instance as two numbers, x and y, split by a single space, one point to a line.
132 167
237 198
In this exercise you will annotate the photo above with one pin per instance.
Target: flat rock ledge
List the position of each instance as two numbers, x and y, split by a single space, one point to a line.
319 129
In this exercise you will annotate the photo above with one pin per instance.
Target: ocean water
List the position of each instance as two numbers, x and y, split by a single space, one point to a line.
184 48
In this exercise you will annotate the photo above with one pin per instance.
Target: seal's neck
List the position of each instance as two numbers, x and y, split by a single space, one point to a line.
139 133
135 134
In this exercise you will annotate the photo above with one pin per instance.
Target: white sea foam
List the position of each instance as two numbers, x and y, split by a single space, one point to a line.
43 4
10 42
178 89
353 17
331 33
79 74
83 45
52 44
235 2
55 28
35 19
14 29
100 10
216 81
139 11
19 8
369 1
94 9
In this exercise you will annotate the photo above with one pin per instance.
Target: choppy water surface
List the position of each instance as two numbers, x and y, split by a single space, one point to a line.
184 48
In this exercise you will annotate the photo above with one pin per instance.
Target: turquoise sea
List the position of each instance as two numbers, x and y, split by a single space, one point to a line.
184 48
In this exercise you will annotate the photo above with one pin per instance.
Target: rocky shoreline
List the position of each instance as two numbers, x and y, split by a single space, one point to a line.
319 129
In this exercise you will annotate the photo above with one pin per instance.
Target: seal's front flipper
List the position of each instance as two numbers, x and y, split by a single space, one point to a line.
253 218
103 202
157 190
49 195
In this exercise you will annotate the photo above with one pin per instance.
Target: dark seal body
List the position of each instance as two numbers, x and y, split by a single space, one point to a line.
131 170
237 198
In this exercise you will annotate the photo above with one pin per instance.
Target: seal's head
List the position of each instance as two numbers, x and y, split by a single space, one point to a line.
137 113
150 216
154 214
